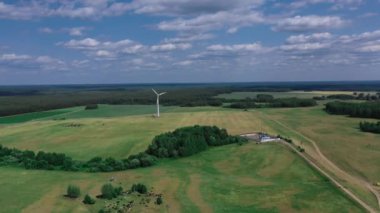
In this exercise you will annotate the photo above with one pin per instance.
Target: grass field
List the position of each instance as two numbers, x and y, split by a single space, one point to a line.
265 178
338 138
291 94
248 178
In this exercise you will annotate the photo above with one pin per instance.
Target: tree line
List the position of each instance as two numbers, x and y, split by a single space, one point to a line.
179 143
361 110
268 101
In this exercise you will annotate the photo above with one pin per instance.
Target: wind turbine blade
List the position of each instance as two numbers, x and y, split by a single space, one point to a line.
162 93
155 91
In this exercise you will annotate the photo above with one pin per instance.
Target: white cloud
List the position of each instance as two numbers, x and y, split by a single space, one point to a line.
31 62
77 31
360 37
190 7
171 46
46 30
309 38
208 22
370 48
335 4
14 57
309 23
304 46
87 43
189 38
254 47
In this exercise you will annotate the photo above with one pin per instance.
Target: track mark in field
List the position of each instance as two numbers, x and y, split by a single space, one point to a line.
195 194
46 203
332 167
168 187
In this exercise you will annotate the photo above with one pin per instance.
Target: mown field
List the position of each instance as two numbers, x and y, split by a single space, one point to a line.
248 178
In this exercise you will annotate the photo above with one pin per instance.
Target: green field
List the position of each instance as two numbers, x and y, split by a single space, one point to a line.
291 94
248 178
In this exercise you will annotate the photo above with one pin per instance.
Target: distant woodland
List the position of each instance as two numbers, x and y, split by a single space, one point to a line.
23 99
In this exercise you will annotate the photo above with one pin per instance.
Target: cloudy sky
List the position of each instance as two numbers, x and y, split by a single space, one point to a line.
144 41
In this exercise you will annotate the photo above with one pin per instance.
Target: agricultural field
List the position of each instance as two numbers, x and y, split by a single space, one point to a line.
290 94
262 178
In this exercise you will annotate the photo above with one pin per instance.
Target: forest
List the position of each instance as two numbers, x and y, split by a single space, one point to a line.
360 110
24 99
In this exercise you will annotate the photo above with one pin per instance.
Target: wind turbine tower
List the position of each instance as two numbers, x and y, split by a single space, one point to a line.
158 101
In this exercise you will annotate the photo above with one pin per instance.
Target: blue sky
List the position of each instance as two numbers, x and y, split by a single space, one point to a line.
148 41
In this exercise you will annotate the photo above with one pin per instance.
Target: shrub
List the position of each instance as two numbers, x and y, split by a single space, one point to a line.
107 191
88 200
73 191
159 200
370 127
140 188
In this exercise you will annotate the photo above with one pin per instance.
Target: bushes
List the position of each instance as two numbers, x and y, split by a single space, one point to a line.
288 140
159 200
91 107
370 127
140 188
73 191
264 98
189 140
88 200
109 192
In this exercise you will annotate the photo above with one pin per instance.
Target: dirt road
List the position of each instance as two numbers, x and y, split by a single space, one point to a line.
317 158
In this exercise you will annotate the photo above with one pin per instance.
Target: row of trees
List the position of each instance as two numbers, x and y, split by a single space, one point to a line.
59 161
361 110
370 127
189 140
354 96
273 103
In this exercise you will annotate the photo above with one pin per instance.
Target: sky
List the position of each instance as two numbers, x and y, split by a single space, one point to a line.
160 41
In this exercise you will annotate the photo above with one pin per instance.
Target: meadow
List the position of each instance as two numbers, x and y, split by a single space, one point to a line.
261 178
248 178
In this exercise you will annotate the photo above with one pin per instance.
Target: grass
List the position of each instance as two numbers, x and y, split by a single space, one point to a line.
217 178
30 116
117 137
297 94
248 178
338 138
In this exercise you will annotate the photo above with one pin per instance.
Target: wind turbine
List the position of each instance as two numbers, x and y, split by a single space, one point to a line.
158 101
